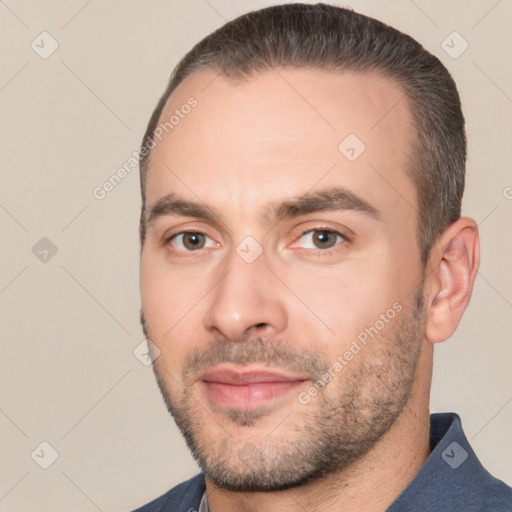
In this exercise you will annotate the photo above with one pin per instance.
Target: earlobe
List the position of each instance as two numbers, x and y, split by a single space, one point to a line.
453 266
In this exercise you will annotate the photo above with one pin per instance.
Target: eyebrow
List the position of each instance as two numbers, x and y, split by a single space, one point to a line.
171 204
334 198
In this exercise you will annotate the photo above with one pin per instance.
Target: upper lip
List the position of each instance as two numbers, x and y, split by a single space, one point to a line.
229 374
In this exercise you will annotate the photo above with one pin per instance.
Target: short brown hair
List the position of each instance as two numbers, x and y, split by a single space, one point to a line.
332 38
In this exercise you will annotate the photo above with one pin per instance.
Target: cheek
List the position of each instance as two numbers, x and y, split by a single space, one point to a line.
335 305
168 303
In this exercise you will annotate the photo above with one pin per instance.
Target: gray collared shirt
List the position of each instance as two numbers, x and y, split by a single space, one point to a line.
203 506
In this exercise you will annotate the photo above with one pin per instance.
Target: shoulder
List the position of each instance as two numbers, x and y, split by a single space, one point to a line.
185 497
452 478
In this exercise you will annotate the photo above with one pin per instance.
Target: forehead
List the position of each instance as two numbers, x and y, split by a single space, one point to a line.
281 131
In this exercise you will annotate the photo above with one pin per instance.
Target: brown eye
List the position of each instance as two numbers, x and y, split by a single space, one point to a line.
189 241
321 239
324 239
193 241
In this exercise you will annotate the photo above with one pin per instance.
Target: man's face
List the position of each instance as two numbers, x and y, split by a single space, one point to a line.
285 303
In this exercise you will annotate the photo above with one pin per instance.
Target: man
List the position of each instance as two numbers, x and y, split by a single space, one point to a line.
302 251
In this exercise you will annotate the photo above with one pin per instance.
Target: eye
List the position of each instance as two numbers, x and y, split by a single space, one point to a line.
321 239
189 241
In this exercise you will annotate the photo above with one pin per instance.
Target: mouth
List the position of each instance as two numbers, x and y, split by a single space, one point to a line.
233 387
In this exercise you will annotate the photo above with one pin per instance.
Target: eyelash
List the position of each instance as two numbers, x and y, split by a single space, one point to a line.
314 252
325 252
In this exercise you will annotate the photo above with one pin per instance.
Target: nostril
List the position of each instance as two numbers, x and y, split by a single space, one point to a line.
260 325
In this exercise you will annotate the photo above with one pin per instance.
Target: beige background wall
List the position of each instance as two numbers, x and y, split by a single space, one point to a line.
70 324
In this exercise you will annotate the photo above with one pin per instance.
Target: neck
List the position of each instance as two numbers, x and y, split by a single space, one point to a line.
372 483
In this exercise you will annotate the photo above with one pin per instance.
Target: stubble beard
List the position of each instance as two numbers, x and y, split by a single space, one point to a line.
338 427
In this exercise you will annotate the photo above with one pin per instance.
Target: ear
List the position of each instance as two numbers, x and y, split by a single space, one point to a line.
451 273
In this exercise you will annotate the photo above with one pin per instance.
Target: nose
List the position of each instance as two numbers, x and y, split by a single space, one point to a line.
245 299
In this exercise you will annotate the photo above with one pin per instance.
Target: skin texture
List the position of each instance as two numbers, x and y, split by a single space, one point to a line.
303 301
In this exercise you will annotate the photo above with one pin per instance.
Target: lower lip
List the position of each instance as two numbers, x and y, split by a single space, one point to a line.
248 396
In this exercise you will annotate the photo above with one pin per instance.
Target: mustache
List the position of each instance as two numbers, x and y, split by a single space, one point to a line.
271 352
